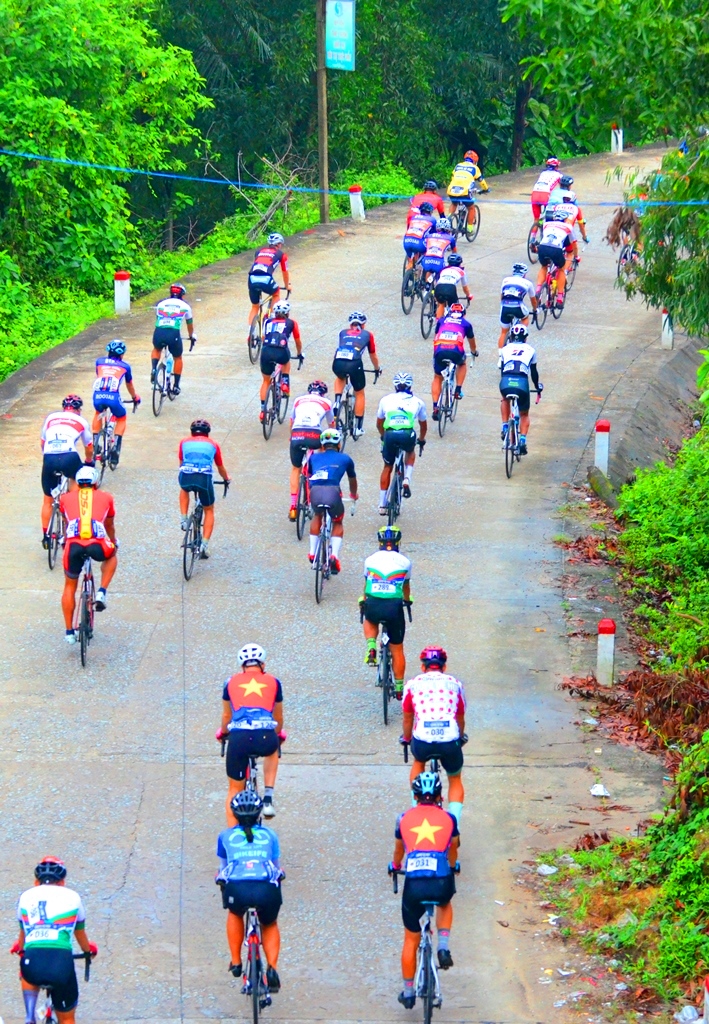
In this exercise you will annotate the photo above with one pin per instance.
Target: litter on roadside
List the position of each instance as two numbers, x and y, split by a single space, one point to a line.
599 790
565 974
686 1015
546 869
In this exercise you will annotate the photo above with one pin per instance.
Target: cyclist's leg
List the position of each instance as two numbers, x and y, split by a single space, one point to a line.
175 347
235 935
411 911
159 344
409 460
237 762
341 373
460 375
359 381
338 533
451 758
184 502
389 452
315 524
436 384
271 939
73 563
268 365
108 569
254 299
370 626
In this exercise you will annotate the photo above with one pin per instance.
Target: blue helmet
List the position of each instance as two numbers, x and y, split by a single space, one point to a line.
427 787
116 348
389 535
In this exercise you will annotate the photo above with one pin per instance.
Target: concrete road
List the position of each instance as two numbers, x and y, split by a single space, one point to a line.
115 767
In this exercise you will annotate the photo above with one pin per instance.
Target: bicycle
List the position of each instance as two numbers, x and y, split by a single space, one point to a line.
396 485
448 405
323 551
461 220
547 299
303 510
163 383
106 453
385 675
276 401
412 285
251 777
85 609
511 445
534 238
428 307
192 541
44 1010
256 328
571 272
346 415
56 531
426 982
627 259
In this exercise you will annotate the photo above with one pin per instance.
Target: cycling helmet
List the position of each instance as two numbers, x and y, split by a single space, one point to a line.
202 427
433 656
456 307
116 348
86 477
471 155
318 387
389 535
403 382
553 162
454 259
50 869
444 224
357 318
251 654
178 291
520 268
72 402
275 238
281 309
246 807
519 332
426 209
430 185
427 787
566 181
331 436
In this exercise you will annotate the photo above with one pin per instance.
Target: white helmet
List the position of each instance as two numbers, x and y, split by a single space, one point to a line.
251 653
276 238
281 308
444 224
86 477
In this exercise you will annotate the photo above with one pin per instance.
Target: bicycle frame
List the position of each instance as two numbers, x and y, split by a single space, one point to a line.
192 540
323 552
304 511
84 609
255 984
56 531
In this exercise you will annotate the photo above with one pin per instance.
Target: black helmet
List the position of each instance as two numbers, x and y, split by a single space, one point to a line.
203 427
72 402
455 259
49 870
246 807
425 209
566 181
430 186
389 535
427 787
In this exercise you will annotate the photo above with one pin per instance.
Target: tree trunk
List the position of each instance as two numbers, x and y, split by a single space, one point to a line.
169 232
524 91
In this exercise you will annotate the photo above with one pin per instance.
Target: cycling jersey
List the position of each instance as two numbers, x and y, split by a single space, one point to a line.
462 184
353 342
427 832
311 413
49 915
278 331
419 226
453 275
438 243
110 374
435 699
385 573
196 454
241 860
86 511
401 411
425 197
517 359
451 332
515 289
558 234
266 260
62 430
547 182
329 467
253 696
171 312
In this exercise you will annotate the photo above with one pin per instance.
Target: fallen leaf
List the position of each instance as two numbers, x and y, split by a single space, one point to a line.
538 629
504 924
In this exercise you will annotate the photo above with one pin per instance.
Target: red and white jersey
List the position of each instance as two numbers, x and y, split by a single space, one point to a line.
435 699
547 182
453 275
557 233
311 412
62 430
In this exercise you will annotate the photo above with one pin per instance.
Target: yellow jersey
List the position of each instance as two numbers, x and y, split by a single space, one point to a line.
465 177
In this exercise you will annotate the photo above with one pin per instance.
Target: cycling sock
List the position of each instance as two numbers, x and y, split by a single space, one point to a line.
268 791
336 545
409 986
382 498
408 473
177 379
371 644
443 938
119 442
30 999
360 422
522 438
456 809
313 543
285 380
96 437
398 685
263 406
294 500
336 404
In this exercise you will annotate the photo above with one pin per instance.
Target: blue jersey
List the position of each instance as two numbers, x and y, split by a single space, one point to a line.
241 861
196 454
329 467
110 374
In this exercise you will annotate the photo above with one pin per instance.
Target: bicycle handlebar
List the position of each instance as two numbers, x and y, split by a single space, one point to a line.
223 483
86 957
193 341
421 444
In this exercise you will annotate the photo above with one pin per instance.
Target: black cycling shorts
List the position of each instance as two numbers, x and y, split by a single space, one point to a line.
168 337
552 254
418 891
51 968
272 356
388 612
54 467
302 441
395 441
200 483
265 897
451 356
76 553
450 754
516 385
446 294
330 495
261 283
510 313
246 743
352 368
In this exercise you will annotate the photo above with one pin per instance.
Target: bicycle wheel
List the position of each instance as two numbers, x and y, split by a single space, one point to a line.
623 257
55 533
444 407
408 293
428 985
556 310
254 979
571 276
384 680
255 338
471 230
394 501
189 548
320 567
428 313
533 244
510 445
269 413
302 511
282 407
454 403
85 623
542 307
159 389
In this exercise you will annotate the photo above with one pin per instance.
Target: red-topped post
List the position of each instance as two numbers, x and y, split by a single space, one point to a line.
605 661
121 291
603 439
356 204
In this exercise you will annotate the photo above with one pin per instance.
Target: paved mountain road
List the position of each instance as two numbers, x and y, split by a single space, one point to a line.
115 768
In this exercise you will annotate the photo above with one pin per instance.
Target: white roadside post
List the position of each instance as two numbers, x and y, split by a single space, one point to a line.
606 652
121 291
616 141
668 332
603 436
706 1001
356 204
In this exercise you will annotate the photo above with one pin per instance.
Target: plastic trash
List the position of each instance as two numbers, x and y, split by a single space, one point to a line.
599 790
687 1015
560 1002
546 869
621 987
500 903
590 721
565 974
567 861
627 917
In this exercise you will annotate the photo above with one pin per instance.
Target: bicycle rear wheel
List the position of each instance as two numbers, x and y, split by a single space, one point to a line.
269 413
571 276
302 510
101 455
85 622
320 568
556 310
159 389
510 444
282 407
189 548
408 293
454 405
429 988
55 533
472 229
533 244
428 313
394 502
384 680
443 408
542 307
254 979
255 338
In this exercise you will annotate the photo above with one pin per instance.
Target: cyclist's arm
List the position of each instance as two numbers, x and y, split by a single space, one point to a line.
471 340
80 936
286 278
296 338
373 352
398 853
278 714
20 944
423 427
380 427
353 486
218 462
453 851
222 472
407 590
534 372
110 525
407 726
190 329
226 716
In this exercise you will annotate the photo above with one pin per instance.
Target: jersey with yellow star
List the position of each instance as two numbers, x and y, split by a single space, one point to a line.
427 832
253 696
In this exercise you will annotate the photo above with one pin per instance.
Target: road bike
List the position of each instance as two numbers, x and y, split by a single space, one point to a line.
44 1010
385 674
510 444
547 299
534 238
255 985
323 552
85 609
56 531
106 453
276 402
251 776
465 219
396 484
628 258
412 285
428 307
303 508
571 272
346 419
426 981
192 540
256 328
163 379
448 404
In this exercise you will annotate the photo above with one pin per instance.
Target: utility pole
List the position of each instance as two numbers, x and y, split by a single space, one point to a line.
323 172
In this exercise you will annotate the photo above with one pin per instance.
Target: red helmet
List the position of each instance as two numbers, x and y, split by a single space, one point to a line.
456 307
553 162
433 656
471 155
177 291
72 402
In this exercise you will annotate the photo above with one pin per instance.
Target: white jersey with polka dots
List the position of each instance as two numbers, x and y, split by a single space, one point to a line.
435 698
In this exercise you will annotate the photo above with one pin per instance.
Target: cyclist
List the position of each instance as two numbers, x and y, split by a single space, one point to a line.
434 722
515 291
517 362
429 195
397 417
198 453
418 226
261 274
387 588
452 275
170 313
351 346
61 432
49 915
467 179
111 372
449 347
326 469
438 244
277 331
556 246
425 850
250 876
90 532
252 722
545 184
312 413
563 198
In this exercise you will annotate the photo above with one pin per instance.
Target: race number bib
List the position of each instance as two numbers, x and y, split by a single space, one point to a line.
421 863
344 353
382 587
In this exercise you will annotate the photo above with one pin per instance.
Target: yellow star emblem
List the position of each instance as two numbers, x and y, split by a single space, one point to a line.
426 831
256 686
